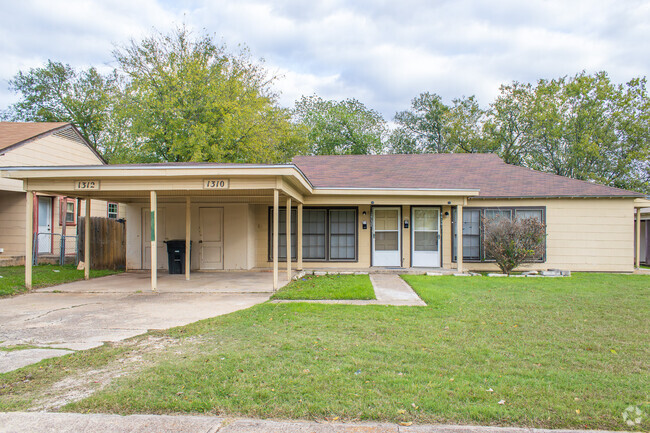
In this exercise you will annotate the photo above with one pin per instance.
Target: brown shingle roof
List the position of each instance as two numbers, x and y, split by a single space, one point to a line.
15 132
486 172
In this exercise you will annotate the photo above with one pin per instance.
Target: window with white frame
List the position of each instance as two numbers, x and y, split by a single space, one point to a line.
112 210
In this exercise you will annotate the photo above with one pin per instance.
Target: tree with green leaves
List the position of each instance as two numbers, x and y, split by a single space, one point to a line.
589 128
508 125
188 99
58 92
341 127
424 124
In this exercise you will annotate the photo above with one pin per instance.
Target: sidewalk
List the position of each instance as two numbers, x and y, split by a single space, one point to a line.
43 422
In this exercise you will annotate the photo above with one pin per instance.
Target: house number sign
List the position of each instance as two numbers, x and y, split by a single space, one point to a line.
216 183
86 184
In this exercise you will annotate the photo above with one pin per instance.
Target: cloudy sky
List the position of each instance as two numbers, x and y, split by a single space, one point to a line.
381 52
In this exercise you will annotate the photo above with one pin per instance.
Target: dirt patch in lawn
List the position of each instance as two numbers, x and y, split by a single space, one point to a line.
80 385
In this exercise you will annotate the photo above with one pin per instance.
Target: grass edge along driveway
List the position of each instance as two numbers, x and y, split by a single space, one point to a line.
338 287
13 277
546 353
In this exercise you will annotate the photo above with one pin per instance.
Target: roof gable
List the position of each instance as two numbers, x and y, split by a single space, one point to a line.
486 172
15 134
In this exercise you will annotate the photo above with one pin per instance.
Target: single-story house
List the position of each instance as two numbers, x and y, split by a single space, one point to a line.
351 212
54 214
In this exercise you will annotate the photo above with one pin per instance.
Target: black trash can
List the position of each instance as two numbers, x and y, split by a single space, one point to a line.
176 255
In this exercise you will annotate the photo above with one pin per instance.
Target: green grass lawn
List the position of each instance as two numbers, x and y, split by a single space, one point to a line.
13 277
553 353
328 287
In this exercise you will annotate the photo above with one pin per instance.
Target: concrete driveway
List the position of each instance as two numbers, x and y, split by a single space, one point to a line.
85 314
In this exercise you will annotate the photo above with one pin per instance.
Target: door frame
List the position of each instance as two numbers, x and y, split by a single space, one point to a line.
399 233
440 238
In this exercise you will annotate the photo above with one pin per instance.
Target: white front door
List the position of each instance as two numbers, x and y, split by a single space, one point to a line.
425 237
386 239
146 239
211 237
44 225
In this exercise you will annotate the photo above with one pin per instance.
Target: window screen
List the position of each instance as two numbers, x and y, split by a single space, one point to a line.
496 213
342 234
528 213
471 234
282 234
313 234
327 234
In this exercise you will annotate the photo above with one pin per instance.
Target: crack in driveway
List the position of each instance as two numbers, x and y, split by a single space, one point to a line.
61 309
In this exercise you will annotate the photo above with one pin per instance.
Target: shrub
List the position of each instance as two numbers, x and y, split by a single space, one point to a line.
512 241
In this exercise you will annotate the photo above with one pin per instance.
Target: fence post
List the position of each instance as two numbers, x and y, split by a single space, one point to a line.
62 253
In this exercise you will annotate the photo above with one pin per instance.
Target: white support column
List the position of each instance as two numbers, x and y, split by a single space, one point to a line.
299 240
288 220
459 244
87 240
276 238
188 234
637 260
29 237
154 240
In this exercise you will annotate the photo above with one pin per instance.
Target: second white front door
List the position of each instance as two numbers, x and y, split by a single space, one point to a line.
211 237
386 238
425 237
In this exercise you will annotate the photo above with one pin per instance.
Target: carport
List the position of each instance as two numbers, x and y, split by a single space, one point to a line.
174 184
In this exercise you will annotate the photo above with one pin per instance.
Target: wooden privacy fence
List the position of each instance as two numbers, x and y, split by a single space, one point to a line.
107 243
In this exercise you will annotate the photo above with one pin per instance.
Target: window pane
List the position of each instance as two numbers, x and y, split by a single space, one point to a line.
496 213
471 222
426 241
529 213
386 219
386 241
313 236
282 234
342 234
425 219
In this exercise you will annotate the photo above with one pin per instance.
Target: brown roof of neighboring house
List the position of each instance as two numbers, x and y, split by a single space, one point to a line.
16 132
485 172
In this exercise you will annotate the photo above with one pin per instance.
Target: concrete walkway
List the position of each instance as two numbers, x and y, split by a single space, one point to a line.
22 422
390 289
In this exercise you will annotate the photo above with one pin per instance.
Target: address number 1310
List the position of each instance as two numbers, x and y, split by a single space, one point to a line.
216 183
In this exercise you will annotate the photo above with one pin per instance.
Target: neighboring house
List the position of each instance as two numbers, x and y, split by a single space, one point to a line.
42 144
644 250
354 212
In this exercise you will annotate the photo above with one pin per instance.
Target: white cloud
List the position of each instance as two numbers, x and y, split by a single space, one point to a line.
381 52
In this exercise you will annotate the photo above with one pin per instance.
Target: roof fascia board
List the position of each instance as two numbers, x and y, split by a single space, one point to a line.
398 191
107 171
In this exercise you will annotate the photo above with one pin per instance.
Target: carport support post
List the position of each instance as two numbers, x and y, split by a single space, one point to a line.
29 233
276 226
459 231
637 260
299 243
188 222
87 241
288 231
154 241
